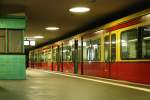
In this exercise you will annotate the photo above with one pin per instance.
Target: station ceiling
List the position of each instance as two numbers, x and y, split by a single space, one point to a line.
44 13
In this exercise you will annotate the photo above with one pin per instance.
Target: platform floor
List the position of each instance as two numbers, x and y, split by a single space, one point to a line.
41 85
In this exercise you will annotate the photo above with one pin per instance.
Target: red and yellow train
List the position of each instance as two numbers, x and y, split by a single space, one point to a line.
119 50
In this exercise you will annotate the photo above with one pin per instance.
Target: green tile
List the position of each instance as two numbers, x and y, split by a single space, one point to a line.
12 67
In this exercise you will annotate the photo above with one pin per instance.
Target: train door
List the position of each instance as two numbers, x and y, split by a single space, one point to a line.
75 56
61 58
68 65
49 57
54 58
58 58
109 53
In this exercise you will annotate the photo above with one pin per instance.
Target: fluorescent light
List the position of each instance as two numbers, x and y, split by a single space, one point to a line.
52 28
29 38
133 40
38 37
64 50
95 46
113 42
148 15
26 42
147 29
124 44
71 43
84 43
99 31
106 42
79 9
146 38
32 43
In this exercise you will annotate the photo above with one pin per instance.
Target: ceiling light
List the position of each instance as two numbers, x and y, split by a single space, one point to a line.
52 28
38 37
99 31
29 38
26 42
147 38
32 43
79 9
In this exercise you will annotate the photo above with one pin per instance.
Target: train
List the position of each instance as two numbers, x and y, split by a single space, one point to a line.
118 50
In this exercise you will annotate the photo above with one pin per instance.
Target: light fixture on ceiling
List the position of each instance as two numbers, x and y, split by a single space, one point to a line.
52 28
38 37
32 43
29 38
79 9
99 31
26 42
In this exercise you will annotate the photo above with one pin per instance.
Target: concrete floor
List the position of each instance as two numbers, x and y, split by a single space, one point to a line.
45 86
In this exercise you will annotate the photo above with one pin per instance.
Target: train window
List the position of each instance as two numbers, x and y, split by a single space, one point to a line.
146 42
95 50
79 51
31 57
36 57
86 50
129 42
49 56
58 56
45 55
54 54
107 48
91 50
67 53
64 54
41 58
41 55
15 43
113 47
2 41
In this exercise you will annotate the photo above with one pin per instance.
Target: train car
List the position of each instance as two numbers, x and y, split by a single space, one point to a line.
55 57
126 48
49 58
68 65
92 64
118 50
31 59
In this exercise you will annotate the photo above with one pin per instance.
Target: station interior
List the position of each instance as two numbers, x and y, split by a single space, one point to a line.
74 49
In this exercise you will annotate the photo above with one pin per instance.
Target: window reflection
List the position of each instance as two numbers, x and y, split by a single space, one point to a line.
113 47
67 53
129 44
146 42
91 50
107 48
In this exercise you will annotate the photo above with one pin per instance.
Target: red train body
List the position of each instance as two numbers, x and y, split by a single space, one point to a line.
119 50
